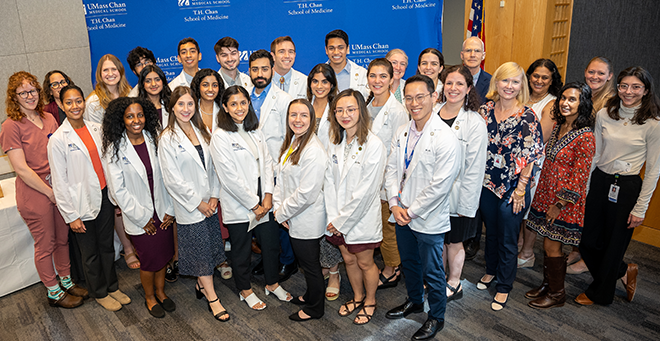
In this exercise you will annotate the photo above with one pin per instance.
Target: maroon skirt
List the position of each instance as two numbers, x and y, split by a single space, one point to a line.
352 248
156 250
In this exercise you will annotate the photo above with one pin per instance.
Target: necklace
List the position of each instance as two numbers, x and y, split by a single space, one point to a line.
531 101
32 119
204 112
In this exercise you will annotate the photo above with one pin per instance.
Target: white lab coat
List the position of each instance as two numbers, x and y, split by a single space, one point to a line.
272 120
134 92
431 174
298 196
216 110
351 190
245 80
298 86
93 110
390 117
239 172
129 186
180 80
75 184
324 128
470 129
358 79
186 179
165 115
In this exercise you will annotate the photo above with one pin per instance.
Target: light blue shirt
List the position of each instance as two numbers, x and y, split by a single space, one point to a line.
475 78
344 77
258 100
287 80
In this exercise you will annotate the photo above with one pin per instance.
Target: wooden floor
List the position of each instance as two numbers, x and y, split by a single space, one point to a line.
25 315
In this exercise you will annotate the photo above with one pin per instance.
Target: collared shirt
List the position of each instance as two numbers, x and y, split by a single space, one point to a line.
277 80
475 78
344 77
188 77
258 100
230 81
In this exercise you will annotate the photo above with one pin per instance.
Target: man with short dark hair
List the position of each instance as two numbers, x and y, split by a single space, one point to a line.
229 57
285 77
137 59
349 74
189 56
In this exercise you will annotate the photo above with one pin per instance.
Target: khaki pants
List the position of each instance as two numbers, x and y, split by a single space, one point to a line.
389 248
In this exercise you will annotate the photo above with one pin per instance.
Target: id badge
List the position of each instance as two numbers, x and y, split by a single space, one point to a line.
614 193
498 161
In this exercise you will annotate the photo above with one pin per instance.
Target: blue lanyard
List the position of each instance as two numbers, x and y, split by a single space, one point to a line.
405 157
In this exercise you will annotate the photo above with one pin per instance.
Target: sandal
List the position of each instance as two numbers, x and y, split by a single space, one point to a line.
225 270
389 282
220 314
497 305
252 300
134 265
363 313
457 293
281 294
332 293
356 305
481 285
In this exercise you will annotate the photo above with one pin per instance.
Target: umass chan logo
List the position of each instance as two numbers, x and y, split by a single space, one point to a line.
183 3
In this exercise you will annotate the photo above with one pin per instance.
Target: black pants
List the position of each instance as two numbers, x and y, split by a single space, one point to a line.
98 251
268 236
307 252
606 235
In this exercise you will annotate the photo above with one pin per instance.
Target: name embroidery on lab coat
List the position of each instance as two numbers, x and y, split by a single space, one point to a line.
236 146
125 160
73 147
181 149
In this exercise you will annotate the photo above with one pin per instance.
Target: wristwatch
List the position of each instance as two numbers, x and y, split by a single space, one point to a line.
559 205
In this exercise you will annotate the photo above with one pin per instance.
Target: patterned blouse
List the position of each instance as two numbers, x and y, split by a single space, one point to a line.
513 144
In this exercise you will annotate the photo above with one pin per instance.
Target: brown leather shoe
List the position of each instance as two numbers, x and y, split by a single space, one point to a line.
76 290
66 301
631 287
541 290
582 299
556 295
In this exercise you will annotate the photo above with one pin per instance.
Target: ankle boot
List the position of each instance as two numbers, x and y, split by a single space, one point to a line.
543 288
556 295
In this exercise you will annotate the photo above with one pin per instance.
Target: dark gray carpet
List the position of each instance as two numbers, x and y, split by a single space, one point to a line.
25 315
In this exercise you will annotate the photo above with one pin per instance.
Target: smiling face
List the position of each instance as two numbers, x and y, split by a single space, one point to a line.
153 84
569 102
237 107
189 56
419 101
540 80
184 109
430 66
284 56
209 88
379 80
635 90
228 58
399 64
456 88
31 100
134 120
347 112
55 83
299 119
472 54
336 50
597 74
73 105
320 86
109 73
509 88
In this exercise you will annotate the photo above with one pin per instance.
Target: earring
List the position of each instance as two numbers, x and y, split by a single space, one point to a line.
466 100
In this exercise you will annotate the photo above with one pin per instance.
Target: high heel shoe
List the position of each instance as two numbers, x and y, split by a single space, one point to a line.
220 314
198 292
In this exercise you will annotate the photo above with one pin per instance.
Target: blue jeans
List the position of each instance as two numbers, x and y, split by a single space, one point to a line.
421 259
502 229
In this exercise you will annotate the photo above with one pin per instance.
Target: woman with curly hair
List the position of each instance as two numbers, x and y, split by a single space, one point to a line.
152 86
54 81
130 143
557 214
24 137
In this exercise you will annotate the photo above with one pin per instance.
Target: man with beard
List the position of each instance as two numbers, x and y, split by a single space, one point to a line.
270 103
227 54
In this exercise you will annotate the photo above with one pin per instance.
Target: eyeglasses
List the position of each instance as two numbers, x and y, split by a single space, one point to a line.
349 111
469 51
144 63
25 94
418 98
633 88
57 85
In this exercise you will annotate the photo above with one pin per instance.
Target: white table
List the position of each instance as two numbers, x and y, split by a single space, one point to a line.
16 245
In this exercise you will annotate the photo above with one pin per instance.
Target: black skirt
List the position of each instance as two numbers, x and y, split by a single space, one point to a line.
463 228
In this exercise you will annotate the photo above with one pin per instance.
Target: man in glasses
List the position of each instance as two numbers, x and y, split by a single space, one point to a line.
137 59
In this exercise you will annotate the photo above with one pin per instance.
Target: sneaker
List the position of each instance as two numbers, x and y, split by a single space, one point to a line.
170 274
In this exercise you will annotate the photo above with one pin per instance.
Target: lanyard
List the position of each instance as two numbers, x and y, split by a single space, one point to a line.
406 159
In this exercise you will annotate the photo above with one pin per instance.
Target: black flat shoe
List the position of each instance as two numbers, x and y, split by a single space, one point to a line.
497 306
170 274
457 293
481 285
287 270
297 318
429 329
296 300
167 304
405 310
220 314
155 311
389 282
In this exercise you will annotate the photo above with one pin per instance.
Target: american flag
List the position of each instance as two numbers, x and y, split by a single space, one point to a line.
476 24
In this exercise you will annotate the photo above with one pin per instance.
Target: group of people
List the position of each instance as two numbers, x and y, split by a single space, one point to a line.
311 171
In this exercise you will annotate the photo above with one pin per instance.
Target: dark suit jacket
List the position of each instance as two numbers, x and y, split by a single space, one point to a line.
482 85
